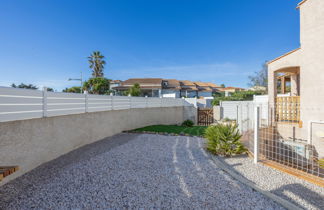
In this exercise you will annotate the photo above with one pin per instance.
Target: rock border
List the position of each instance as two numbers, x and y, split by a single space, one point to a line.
161 133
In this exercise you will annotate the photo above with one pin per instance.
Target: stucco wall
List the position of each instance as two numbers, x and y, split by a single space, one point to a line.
29 143
190 113
292 60
310 59
312 68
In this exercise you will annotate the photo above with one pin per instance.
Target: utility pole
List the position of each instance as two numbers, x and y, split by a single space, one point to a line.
80 79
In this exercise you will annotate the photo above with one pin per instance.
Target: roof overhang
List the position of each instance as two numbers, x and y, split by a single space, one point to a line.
141 87
283 56
301 3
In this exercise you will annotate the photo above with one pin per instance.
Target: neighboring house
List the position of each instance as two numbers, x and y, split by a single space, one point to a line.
258 88
168 88
188 89
171 88
229 90
204 90
214 87
115 83
300 73
150 87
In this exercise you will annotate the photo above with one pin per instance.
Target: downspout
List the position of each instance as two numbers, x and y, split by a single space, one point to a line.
310 130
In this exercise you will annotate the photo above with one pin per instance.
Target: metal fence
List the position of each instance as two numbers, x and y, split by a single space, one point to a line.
284 143
240 111
19 104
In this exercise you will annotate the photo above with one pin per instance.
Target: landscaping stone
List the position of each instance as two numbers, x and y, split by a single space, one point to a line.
132 171
299 192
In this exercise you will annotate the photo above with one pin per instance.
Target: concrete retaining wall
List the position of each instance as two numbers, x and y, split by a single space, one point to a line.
29 143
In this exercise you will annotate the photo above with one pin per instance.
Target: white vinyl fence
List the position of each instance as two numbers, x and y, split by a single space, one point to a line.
243 111
200 103
18 104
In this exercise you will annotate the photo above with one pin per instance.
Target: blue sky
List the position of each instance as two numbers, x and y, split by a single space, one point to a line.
45 42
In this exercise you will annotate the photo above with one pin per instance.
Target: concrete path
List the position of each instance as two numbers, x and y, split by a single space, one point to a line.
132 171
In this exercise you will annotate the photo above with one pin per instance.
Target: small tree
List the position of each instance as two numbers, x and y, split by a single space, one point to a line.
25 86
50 89
260 78
97 85
75 89
135 90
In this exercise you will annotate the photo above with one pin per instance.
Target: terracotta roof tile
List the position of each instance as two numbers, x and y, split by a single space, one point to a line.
172 83
231 88
186 83
143 81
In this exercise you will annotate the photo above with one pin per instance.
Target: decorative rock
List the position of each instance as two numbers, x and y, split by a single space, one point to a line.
133 171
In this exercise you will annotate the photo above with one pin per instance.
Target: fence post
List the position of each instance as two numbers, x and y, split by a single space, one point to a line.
237 115
112 102
86 105
146 102
130 101
241 117
256 133
45 102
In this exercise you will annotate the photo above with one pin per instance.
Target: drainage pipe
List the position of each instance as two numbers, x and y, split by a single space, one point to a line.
310 129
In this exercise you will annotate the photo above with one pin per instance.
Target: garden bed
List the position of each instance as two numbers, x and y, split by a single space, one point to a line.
172 130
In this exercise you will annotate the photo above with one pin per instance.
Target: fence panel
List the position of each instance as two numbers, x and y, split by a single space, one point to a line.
282 145
165 102
281 140
65 103
154 102
97 103
241 111
121 102
18 104
230 109
138 102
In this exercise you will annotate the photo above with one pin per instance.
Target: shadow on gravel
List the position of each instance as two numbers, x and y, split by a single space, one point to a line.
308 196
49 170
303 193
236 164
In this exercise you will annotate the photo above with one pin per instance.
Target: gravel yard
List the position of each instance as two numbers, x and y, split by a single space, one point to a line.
132 171
303 194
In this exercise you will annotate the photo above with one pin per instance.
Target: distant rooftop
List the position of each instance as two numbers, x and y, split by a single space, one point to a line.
175 84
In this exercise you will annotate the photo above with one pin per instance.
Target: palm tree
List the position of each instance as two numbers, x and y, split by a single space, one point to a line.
97 64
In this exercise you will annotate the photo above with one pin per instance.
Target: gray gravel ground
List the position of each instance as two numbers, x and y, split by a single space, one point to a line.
132 171
303 194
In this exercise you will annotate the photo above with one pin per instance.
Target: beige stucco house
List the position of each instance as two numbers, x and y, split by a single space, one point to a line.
300 112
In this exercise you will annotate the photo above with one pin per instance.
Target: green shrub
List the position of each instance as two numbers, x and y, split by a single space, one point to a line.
245 95
226 119
224 140
188 123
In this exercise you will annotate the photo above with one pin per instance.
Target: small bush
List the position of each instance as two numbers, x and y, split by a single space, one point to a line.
224 140
188 123
226 119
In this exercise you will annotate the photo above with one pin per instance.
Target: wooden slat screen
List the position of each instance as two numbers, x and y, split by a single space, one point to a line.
288 109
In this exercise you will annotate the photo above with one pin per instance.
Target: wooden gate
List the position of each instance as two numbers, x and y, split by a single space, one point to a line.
205 116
